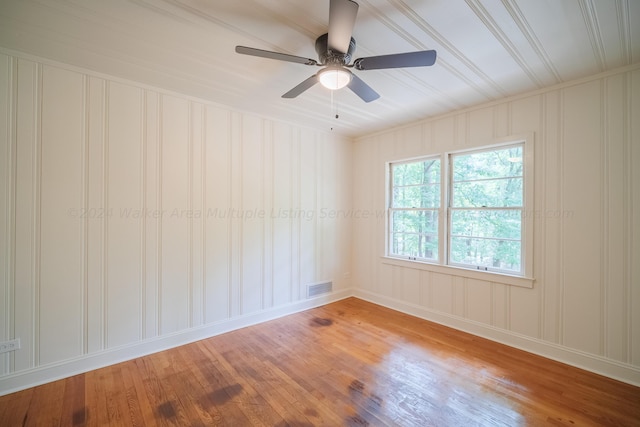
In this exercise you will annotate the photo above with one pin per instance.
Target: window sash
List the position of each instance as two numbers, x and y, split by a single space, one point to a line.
422 237
488 262
431 235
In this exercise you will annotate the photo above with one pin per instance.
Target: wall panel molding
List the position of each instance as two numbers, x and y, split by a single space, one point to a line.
583 299
85 207
561 241
37 203
143 224
631 88
105 223
126 216
604 175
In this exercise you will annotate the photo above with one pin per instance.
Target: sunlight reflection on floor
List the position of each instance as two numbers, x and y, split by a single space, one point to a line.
426 387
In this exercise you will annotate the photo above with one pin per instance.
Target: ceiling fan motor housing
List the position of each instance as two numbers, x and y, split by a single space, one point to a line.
331 57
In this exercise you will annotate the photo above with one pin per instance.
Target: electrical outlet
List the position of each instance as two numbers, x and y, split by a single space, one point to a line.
10 345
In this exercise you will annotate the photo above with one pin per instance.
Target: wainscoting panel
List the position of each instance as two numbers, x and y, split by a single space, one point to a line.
253 219
631 207
175 145
586 241
60 284
582 179
217 221
123 228
27 175
7 163
132 219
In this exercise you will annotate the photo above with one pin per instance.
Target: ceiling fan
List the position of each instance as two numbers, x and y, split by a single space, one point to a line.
334 52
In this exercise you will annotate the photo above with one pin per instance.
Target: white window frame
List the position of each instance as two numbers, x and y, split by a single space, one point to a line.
391 209
451 210
525 278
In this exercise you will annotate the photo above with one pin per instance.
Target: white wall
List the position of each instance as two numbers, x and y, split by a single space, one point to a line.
584 307
132 219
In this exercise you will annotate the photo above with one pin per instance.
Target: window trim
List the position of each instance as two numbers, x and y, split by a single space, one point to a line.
442 265
486 276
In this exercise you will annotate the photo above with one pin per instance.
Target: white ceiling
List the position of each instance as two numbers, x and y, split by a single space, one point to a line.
487 49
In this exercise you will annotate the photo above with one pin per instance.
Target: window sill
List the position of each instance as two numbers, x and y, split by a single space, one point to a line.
505 279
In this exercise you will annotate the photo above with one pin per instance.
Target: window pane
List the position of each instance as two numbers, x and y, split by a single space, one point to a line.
417 196
487 223
415 245
505 192
417 221
414 233
500 163
498 254
423 172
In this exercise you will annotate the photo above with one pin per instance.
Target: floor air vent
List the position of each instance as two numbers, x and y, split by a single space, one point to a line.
319 288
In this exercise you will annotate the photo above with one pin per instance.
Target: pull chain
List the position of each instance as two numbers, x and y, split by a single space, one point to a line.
332 107
331 101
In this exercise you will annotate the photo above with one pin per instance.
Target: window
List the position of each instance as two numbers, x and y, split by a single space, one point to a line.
464 209
413 212
485 209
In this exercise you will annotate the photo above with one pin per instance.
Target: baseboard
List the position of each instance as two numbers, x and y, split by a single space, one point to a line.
600 365
43 374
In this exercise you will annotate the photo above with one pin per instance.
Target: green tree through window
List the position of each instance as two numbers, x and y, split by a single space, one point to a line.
415 201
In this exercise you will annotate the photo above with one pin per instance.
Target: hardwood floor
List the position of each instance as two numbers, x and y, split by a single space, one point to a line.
350 363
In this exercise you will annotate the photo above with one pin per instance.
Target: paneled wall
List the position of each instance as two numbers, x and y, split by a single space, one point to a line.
128 214
586 296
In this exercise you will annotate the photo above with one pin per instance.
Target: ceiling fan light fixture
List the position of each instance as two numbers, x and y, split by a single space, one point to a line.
334 78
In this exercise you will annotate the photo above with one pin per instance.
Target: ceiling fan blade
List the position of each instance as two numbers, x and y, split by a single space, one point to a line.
342 18
274 55
363 90
307 84
399 60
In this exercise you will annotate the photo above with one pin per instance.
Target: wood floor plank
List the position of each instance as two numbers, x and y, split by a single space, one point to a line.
330 384
73 407
169 406
137 401
14 408
95 397
350 363
45 407
306 406
250 402
263 376
221 388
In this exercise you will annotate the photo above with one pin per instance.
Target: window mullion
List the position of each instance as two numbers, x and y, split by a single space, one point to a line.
448 191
